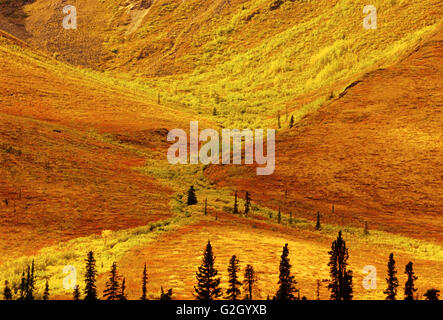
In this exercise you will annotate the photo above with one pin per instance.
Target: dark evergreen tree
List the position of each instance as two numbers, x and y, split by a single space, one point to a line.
432 295
279 216
90 278
286 281
166 295
30 282
7 293
247 203
233 292
249 281
23 287
112 289
341 278
366 229
291 122
290 217
318 224
214 111
192 198
410 283
208 285
46 292
391 290
122 295
235 203
76 294
144 284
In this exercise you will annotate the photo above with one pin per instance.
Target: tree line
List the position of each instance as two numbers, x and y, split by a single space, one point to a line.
208 281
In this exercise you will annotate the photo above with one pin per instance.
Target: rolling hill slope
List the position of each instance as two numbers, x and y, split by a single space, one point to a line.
65 169
375 152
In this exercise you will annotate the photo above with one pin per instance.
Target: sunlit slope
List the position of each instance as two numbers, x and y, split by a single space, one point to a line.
249 59
375 153
65 171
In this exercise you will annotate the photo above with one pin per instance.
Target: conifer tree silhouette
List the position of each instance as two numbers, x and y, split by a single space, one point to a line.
247 203
366 229
76 293
7 293
341 278
391 290
166 295
208 285
144 283
279 216
46 292
233 292
410 283
291 122
318 224
112 289
122 294
235 203
286 281
192 198
90 278
30 282
23 287
432 295
250 278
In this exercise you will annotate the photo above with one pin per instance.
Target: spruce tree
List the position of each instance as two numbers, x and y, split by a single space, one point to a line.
391 290
112 289
247 203
318 224
233 292
76 293
144 284
192 198
166 295
22 288
7 293
122 295
291 122
208 285
279 216
341 278
409 285
30 283
432 295
249 281
90 278
235 203
366 229
286 281
46 292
